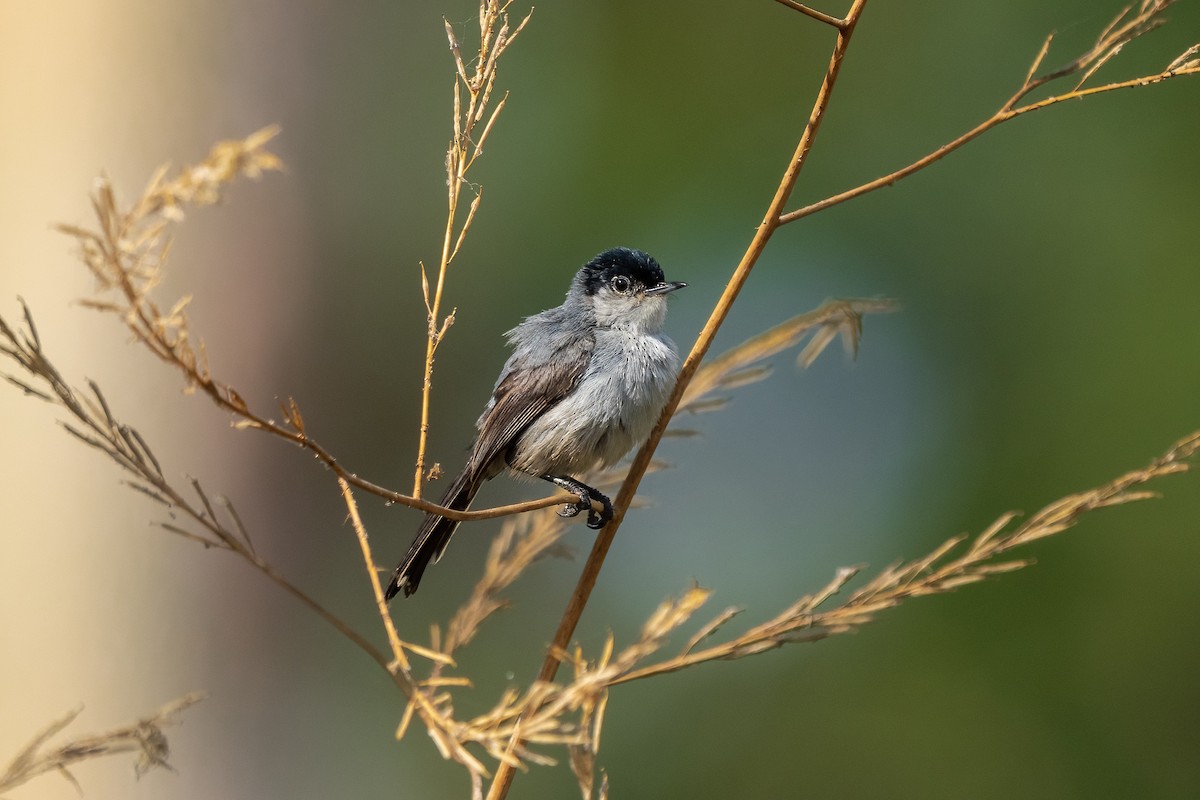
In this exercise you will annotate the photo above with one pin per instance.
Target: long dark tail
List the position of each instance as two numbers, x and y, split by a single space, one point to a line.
433 536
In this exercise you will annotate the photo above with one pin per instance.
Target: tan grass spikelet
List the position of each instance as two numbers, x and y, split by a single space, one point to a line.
145 738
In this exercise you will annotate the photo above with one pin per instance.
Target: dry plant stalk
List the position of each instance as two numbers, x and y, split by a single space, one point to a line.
573 714
946 568
544 714
466 146
1127 26
95 424
145 737
127 253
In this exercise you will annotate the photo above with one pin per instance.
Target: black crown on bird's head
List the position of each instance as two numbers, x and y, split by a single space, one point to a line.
637 265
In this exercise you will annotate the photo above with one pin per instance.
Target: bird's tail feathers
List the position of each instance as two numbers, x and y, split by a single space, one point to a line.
432 537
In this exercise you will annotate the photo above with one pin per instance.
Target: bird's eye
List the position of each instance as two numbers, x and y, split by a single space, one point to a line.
620 284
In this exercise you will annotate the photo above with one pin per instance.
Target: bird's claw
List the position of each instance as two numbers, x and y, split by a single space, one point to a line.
597 520
587 495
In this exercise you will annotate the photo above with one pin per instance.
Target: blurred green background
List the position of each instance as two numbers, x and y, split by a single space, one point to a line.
1047 342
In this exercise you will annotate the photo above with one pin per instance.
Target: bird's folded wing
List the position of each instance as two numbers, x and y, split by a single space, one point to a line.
524 393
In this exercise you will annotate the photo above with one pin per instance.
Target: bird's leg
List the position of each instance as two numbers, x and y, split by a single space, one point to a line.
586 495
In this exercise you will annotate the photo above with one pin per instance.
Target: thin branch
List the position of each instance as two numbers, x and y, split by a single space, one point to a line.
1115 37
401 660
494 38
641 461
946 568
101 429
127 255
704 342
817 15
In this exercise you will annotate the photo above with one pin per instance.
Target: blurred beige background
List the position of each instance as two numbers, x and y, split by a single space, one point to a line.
1048 342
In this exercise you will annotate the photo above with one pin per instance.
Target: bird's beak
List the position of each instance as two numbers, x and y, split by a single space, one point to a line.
664 288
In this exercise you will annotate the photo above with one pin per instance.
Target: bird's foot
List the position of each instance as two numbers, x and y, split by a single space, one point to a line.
596 521
586 494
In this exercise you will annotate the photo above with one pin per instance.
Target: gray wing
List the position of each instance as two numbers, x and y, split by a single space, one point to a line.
527 388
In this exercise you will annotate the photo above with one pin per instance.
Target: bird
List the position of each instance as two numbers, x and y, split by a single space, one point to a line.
585 382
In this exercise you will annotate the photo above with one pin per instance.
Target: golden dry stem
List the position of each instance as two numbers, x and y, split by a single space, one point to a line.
495 36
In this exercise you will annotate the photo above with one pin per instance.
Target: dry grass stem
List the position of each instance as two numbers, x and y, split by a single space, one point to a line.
542 715
641 461
145 737
572 714
946 568
127 253
1133 22
93 422
475 79
1128 26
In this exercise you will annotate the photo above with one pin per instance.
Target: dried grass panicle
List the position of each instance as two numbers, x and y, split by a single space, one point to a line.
550 714
743 364
476 77
127 251
1123 29
944 569
522 541
145 737
572 714
94 423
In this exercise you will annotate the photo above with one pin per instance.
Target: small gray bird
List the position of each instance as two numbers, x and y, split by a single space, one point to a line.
586 382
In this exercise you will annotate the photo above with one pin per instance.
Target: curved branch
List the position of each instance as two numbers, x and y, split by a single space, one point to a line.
641 461
1118 33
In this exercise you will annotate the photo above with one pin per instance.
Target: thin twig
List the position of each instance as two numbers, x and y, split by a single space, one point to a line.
381 606
819 16
1109 43
494 38
127 254
641 461
101 429
946 568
